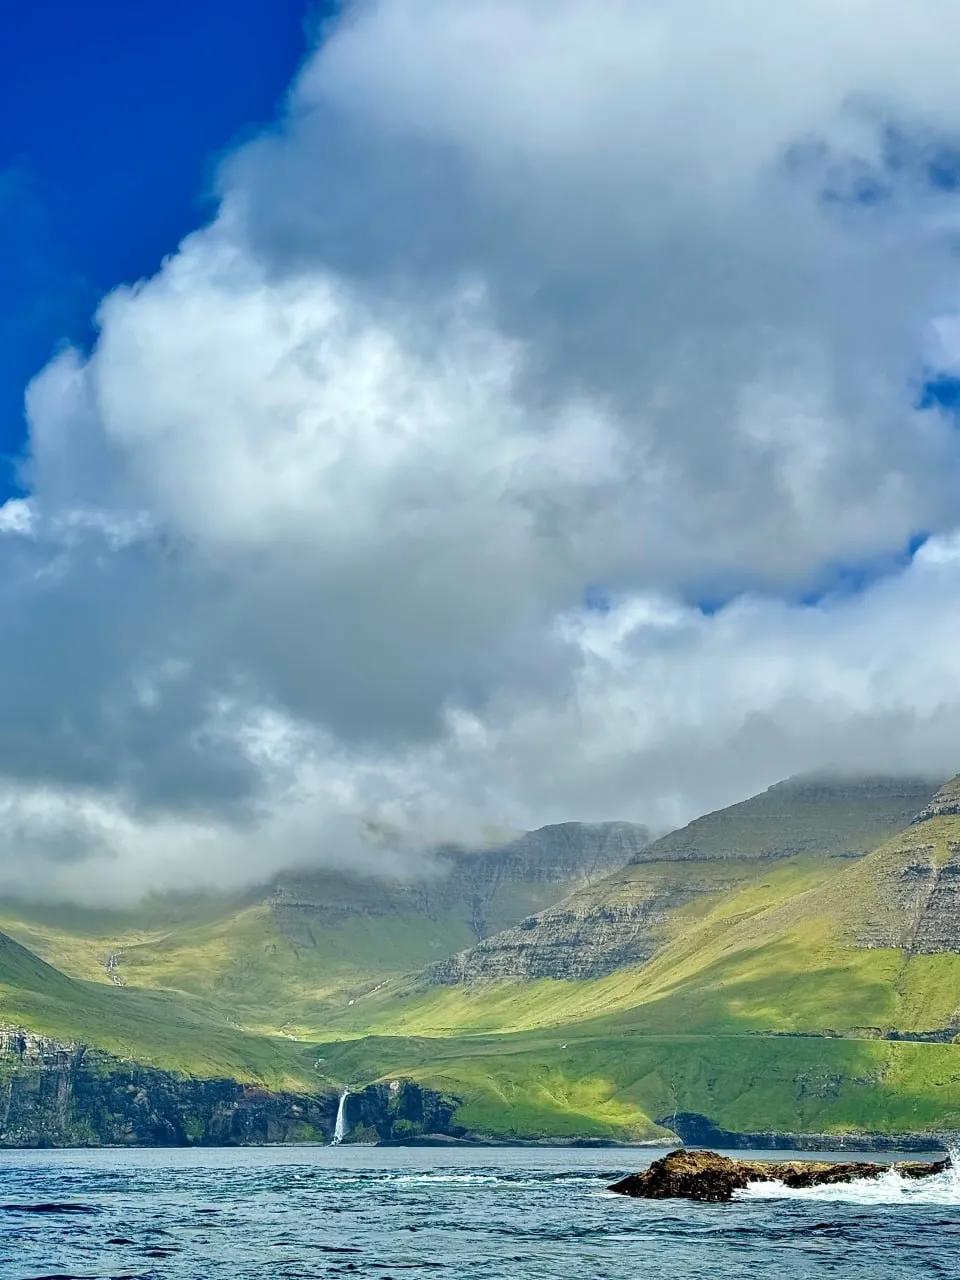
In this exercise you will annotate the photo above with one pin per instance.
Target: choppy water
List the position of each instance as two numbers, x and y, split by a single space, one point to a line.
404 1213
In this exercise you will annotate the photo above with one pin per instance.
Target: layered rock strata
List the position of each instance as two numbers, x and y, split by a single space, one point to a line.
56 1093
482 887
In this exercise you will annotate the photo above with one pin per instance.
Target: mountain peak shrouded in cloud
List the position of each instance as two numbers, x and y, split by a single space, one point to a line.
946 801
519 306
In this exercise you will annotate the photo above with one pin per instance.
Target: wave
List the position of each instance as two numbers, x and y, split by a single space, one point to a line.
889 1188
482 1179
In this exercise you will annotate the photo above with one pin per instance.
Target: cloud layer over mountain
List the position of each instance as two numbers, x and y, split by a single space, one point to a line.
537 432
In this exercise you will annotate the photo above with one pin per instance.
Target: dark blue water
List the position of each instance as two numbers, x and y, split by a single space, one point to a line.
404 1213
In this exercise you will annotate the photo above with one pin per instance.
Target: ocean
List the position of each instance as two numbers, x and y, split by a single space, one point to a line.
497 1213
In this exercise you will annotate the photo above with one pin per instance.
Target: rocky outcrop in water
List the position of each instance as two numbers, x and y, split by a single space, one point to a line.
704 1175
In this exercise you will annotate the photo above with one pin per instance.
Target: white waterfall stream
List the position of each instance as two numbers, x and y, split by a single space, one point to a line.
338 1128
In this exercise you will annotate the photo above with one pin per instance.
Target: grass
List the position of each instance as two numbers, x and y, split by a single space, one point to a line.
807 815
761 1009
182 1035
279 963
617 1087
782 1013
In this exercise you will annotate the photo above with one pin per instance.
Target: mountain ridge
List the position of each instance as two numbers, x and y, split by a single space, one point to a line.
618 921
845 816
778 992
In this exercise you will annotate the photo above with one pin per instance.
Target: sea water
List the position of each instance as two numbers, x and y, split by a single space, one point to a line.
408 1212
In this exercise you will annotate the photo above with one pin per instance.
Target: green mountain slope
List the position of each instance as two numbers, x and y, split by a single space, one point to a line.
284 958
181 1035
803 945
811 814
764 981
626 918
809 994
628 1086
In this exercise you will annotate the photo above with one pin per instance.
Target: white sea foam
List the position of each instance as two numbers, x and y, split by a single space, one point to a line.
418 1179
889 1188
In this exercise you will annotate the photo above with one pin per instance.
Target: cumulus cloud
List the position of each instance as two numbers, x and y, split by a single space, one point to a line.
381 514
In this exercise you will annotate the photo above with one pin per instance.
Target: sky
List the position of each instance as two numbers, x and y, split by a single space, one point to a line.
114 117
454 416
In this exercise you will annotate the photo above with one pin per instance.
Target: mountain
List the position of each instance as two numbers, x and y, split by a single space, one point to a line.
758 977
804 996
808 814
623 920
279 959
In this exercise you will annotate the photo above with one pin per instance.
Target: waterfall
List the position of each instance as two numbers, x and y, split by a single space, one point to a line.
338 1128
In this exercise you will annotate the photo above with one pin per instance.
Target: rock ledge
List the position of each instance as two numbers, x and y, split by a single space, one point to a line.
704 1175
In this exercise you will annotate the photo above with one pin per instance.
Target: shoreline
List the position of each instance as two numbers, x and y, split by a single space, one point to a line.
440 1142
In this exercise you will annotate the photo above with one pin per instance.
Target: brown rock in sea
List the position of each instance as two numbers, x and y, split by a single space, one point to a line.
704 1175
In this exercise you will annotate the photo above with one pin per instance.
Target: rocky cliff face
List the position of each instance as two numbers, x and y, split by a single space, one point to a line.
696 1130
570 941
946 801
610 925
482 887
400 1112
617 921
914 900
54 1093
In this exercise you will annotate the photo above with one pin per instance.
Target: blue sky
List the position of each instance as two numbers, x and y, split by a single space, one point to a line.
114 113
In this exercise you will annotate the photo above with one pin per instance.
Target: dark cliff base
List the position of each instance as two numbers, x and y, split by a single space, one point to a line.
54 1094
700 1131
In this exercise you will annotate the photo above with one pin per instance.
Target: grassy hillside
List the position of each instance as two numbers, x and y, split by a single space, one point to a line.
283 959
785 990
625 919
811 814
619 1086
803 945
180 1035
763 992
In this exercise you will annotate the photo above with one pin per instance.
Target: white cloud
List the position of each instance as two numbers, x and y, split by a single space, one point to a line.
16 516
521 304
